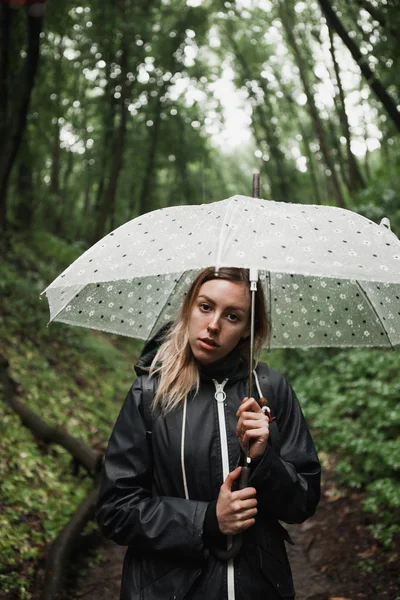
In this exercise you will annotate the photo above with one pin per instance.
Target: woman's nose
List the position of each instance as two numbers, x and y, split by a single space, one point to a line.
213 325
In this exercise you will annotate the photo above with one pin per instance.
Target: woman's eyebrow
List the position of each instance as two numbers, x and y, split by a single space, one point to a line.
211 301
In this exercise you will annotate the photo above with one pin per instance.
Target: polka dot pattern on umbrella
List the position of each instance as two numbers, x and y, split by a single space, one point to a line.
333 276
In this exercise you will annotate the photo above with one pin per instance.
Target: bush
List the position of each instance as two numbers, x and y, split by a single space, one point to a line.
350 398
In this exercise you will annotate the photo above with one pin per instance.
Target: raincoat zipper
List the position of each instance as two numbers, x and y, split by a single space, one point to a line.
220 397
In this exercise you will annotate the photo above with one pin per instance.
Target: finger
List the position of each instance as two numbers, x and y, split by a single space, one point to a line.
244 494
249 503
231 477
243 525
250 419
261 423
254 434
261 426
244 515
248 404
247 414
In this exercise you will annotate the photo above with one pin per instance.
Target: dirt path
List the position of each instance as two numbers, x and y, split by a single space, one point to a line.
102 582
308 583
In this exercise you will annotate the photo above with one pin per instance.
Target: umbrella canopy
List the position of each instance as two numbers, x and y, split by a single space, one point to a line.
331 277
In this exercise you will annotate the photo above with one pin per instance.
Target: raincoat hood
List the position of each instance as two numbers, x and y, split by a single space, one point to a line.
142 365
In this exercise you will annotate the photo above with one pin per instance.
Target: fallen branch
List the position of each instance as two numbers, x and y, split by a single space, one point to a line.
60 550
81 453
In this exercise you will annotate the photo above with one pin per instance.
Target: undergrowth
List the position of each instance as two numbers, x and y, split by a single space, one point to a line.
350 398
71 377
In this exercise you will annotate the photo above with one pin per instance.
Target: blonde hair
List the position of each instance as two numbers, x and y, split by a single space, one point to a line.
175 363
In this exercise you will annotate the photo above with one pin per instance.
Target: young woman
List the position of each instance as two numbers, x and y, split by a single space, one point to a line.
173 459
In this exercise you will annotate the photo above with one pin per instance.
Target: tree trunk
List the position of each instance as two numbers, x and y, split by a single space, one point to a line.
280 185
356 180
326 152
181 164
117 155
305 139
54 187
65 545
107 207
108 129
173 67
144 199
88 191
67 200
362 61
5 27
25 190
14 131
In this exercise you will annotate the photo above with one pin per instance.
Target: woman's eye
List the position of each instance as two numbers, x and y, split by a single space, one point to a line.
232 317
204 307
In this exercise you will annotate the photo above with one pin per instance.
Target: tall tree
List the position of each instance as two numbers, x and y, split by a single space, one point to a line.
16 93
355 179
287 21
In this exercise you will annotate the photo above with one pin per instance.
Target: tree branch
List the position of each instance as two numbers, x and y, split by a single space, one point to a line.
362 61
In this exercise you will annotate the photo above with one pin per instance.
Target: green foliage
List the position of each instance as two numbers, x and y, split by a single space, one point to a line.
350 398
71 378
381 198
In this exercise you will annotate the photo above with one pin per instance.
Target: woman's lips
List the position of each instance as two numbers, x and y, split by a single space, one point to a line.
208 344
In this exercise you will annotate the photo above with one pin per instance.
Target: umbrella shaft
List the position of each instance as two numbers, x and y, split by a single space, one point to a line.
251 360
251 357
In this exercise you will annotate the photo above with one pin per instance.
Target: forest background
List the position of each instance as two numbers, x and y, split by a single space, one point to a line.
109 109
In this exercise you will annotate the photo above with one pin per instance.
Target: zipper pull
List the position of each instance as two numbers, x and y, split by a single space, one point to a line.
220 395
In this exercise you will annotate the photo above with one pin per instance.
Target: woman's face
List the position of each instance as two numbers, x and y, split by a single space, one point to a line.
219 318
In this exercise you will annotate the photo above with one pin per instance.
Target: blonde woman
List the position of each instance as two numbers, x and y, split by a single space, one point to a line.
169 489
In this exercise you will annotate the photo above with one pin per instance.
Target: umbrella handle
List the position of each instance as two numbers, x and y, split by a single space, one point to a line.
237 539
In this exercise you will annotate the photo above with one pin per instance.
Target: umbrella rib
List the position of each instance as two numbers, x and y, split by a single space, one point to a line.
225 231
66 303
375 312
154 328
268 280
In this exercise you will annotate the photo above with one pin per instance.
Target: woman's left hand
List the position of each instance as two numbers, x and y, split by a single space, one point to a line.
252 427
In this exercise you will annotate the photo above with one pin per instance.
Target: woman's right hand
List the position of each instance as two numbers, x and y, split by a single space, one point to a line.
236 511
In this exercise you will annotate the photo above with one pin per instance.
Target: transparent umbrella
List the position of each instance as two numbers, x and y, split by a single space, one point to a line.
331 277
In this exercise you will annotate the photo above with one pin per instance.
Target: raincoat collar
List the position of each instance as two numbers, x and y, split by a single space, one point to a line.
232 367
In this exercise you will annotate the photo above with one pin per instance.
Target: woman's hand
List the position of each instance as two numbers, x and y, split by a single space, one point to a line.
235 510
252 427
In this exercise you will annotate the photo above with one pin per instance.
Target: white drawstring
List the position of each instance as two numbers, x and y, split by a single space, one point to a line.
185 487
260 394
266 410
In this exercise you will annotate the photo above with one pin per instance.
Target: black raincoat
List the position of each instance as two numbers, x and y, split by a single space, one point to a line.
142 501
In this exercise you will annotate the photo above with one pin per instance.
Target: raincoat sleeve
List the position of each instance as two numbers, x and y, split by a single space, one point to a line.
288 481
127 512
